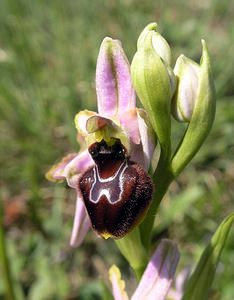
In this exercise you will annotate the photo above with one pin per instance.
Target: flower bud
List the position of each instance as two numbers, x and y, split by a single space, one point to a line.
159 44
163 50
154 81
196 103
187 72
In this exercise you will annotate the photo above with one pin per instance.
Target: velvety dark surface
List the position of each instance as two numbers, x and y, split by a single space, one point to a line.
117 200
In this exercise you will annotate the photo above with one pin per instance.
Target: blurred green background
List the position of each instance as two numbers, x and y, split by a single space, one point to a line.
48 52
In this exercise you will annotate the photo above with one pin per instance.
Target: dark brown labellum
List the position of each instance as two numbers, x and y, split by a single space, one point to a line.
116 191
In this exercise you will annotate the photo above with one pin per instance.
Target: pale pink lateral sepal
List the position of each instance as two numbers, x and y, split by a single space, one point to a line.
158 276
115 92
56 172
79 164
118 285
81 223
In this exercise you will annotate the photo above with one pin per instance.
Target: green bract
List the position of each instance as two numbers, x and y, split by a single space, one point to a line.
199 284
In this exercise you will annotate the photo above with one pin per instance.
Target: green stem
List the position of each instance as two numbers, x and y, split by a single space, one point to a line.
132 249
139 271
162 179
165 156
4 260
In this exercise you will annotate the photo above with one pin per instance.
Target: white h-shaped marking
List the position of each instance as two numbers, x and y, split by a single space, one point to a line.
105 184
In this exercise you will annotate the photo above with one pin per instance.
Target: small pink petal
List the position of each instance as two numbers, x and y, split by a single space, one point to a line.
81 223
78 165
147 136
115 93
137 155
141 135
157 278
56 172
129 121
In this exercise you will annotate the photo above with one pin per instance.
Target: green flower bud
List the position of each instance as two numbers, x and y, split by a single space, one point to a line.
201 100
160 45
154 82
187 72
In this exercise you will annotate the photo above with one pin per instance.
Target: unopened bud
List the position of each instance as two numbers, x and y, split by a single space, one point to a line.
187 72
194 102
154 81
159 44
162 48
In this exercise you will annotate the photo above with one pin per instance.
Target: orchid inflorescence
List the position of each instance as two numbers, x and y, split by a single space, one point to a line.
119 179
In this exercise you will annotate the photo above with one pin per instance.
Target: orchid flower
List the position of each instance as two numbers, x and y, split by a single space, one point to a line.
117 119
157 278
